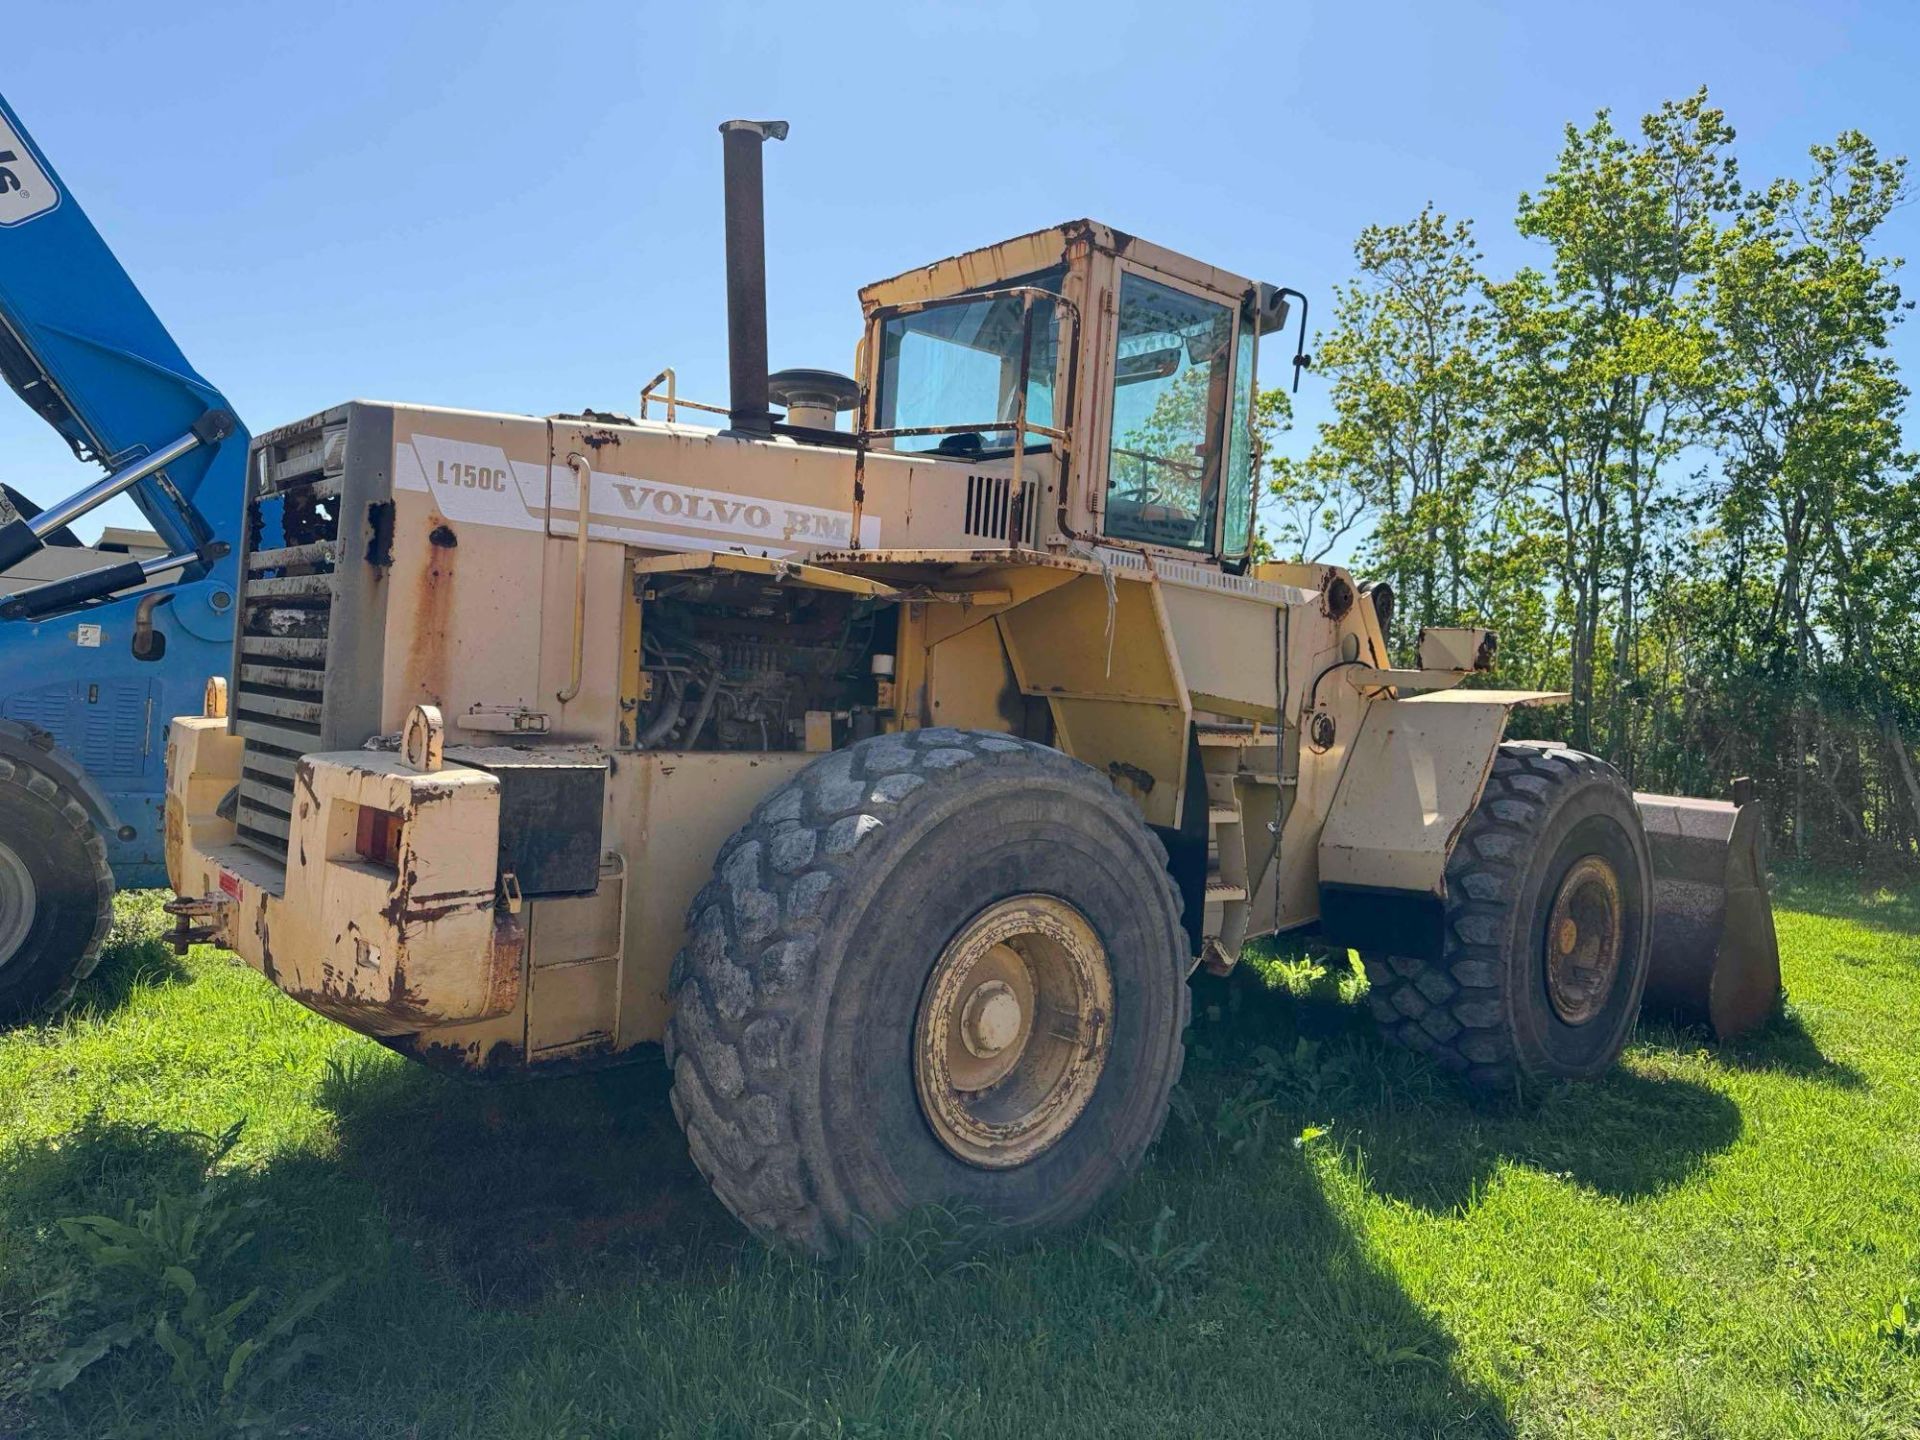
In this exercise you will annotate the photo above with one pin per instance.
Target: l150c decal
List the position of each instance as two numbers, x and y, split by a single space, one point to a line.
26 191
481 485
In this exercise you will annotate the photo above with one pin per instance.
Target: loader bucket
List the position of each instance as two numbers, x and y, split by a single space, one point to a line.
1715 960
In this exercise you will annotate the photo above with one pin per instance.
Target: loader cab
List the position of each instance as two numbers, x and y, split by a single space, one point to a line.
1118 378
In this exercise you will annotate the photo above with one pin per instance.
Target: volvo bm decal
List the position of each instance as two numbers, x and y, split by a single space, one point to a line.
479 484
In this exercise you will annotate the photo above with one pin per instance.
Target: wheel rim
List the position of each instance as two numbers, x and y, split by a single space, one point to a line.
1584 931
19 902
1013 1031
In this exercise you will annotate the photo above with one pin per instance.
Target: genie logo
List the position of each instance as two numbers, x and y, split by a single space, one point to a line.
26 191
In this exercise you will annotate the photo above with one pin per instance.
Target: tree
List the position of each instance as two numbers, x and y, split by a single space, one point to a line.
1411 455
1600 365
1666 464
1807 412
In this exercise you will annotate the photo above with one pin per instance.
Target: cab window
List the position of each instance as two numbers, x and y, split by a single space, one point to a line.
959 364
1237 527
1169 415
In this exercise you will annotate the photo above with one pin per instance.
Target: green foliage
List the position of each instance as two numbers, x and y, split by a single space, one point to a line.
1240 1124
1899 1323
165 1274
1159 1264
1701 1243
1665 465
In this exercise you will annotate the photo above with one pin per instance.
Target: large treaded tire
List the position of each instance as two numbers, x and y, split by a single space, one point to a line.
795 996
65 864
1482 1008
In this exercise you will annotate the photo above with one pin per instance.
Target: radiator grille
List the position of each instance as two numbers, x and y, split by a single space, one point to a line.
286 613
986 512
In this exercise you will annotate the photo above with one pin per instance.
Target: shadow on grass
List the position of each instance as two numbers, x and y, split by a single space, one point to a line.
542 1258
134 959
278 1230
1783 1046
529 1197
1422 1139
517 1190
1887 901
128 966
99 1163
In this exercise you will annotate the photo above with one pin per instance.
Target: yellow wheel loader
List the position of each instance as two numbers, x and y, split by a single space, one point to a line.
895 778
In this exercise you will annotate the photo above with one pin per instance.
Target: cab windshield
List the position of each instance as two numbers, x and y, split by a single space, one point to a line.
959 364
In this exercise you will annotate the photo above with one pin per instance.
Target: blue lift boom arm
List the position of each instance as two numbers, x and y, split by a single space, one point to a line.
93 664
81 346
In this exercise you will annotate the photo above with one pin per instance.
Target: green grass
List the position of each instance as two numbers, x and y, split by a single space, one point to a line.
1708 1243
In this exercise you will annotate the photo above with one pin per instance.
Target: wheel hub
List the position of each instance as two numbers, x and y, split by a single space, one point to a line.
19 903
991 1019
1584 932
1012 1032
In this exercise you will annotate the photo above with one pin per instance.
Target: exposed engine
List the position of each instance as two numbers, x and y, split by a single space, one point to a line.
735 662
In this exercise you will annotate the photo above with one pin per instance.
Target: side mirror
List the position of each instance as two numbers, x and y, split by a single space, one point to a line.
1270 305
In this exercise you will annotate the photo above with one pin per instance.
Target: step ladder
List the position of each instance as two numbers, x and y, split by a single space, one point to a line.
1232 758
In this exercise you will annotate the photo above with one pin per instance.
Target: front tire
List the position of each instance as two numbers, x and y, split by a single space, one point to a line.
935 967
56 892
1548 921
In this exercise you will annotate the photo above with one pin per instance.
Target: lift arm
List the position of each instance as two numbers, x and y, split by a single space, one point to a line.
81 346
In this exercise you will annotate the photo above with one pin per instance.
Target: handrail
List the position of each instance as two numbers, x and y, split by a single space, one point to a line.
582 477
673 401
970 428
865 434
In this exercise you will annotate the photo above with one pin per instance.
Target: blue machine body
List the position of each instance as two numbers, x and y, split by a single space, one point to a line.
81 346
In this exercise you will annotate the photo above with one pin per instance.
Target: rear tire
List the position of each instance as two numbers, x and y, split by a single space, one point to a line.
856 898
1508 1001
56 892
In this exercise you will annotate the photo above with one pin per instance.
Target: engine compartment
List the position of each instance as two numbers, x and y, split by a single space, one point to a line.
735 662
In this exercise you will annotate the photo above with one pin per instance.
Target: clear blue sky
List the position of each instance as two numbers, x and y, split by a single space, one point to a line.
506 205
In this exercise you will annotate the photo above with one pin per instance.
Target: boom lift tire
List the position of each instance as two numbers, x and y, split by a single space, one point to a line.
1548 922
854 1032
56 892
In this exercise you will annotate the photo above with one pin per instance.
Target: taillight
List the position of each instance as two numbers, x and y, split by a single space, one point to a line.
377 839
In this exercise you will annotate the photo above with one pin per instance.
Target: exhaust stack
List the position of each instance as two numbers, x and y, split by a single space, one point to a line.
747 407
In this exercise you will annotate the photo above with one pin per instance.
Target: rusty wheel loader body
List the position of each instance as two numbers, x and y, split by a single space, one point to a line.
540 729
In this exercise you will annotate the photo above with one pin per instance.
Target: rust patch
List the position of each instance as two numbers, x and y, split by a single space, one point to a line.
442 536
439 1055
303 774
380 534
509 962
266 948
175 825
504 1058
405 908
402 998
1141 780
432 612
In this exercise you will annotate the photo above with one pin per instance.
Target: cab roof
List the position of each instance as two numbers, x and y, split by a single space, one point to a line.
1006 261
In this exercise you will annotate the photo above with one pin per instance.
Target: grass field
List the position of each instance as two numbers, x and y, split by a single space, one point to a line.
1328 1241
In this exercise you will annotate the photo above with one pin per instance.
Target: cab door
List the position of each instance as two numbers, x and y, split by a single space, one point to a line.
1170 388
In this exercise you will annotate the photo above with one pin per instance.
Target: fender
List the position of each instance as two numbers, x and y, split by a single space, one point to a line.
1415 774
33 746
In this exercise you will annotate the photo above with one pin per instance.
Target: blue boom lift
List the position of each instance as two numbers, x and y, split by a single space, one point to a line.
99 645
